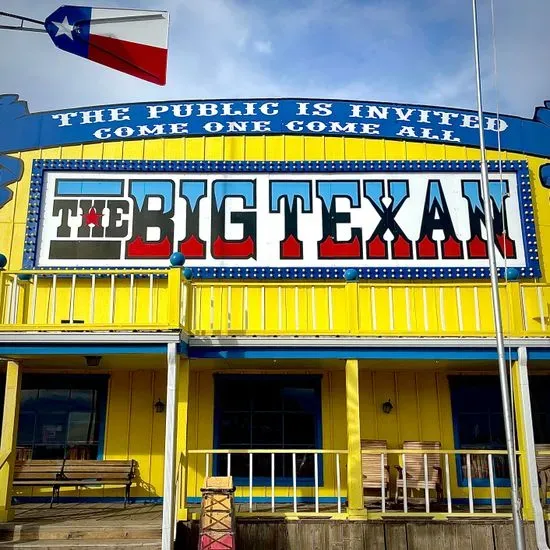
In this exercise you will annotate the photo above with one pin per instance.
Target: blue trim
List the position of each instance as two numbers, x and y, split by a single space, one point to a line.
314 381
91 500
278 500
22 130
11 350
345 353
539 354
531 269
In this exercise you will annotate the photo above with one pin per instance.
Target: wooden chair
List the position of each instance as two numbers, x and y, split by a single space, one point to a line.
543 469
370 466
415 469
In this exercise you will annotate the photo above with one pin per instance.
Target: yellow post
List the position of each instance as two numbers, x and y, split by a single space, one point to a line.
182 457
355 479
174 296
9 438
515 309
352 301
521 421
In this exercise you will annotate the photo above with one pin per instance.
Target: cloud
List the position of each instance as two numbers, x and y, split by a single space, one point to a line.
387 50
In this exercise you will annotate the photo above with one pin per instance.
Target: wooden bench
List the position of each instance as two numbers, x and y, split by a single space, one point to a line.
75 473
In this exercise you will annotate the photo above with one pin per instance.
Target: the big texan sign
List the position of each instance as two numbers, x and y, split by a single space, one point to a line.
397 219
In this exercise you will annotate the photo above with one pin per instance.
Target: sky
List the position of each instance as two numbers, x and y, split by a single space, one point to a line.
409 51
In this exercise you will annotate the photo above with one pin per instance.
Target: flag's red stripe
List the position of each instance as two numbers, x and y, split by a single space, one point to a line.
140 60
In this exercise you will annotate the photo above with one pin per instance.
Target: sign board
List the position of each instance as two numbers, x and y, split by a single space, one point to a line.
406 219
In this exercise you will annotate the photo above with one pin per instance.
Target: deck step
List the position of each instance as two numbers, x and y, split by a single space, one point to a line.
113 544
12 532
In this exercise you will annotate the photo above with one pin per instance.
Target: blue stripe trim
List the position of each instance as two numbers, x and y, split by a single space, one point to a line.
91 500
347 353
76 349
539 354
88 187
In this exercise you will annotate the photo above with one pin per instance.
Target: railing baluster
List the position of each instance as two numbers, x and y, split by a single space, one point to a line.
272 482
492 483
245 307
476 309
92 298
10 299
541 308
131 301
448 485
425 308
408 307
330 310
250 482
229 306
442 308
373 307
313 309
151 298
262 308
383 481
338 485
54 299
112 300
15 300
405 503
390 302
297 308
523 309
316 479
71 302
212 308
426 484
33 299
279 308
459 309
294 492
207 466
470 489
228 464
183 308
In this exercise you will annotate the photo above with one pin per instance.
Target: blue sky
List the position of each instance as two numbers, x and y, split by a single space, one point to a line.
411 51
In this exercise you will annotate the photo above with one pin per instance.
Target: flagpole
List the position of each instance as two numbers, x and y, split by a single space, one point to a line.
502 369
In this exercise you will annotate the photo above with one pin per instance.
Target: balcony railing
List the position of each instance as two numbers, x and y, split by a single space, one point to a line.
158 299
369 309
469 482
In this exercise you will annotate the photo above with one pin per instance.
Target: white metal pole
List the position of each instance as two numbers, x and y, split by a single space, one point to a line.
503 374
169 501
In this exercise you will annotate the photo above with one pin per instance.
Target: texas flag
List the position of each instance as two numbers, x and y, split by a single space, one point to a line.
132 41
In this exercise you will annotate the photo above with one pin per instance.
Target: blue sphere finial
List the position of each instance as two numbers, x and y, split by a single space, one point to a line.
24 276
351 274
177 259
3 261
512 273
188 273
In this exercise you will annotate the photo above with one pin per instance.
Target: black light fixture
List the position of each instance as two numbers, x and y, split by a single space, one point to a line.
159 406
92 360
387 406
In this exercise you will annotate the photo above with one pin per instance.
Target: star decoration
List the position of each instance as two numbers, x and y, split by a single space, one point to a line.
64 28
93 218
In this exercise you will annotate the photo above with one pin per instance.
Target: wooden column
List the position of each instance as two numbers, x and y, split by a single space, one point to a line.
181 453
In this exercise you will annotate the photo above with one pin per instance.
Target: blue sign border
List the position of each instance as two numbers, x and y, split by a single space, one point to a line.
532 269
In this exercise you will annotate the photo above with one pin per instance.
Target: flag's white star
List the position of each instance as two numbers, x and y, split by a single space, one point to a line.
64 28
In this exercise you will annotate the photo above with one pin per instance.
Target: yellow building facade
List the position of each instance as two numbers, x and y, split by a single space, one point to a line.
333 303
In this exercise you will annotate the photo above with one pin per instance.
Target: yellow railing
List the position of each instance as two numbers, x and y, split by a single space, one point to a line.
159 299
90 300
365 308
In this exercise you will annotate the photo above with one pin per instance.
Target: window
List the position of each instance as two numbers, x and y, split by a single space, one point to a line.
61 417
267 412
479 423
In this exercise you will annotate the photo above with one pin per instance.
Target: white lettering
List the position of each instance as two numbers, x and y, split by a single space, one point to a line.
372 129
156 110
356 111
349 128
157 130
322 109
269 108
427 134
403 114
182 110
119 113
374 111
261 126
295 125
178 128
65 118
303 108
495 124
233 126
424 117
316 126
448 135
103 133
445 117
208 109
213 127
124 131
406 131
470 121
